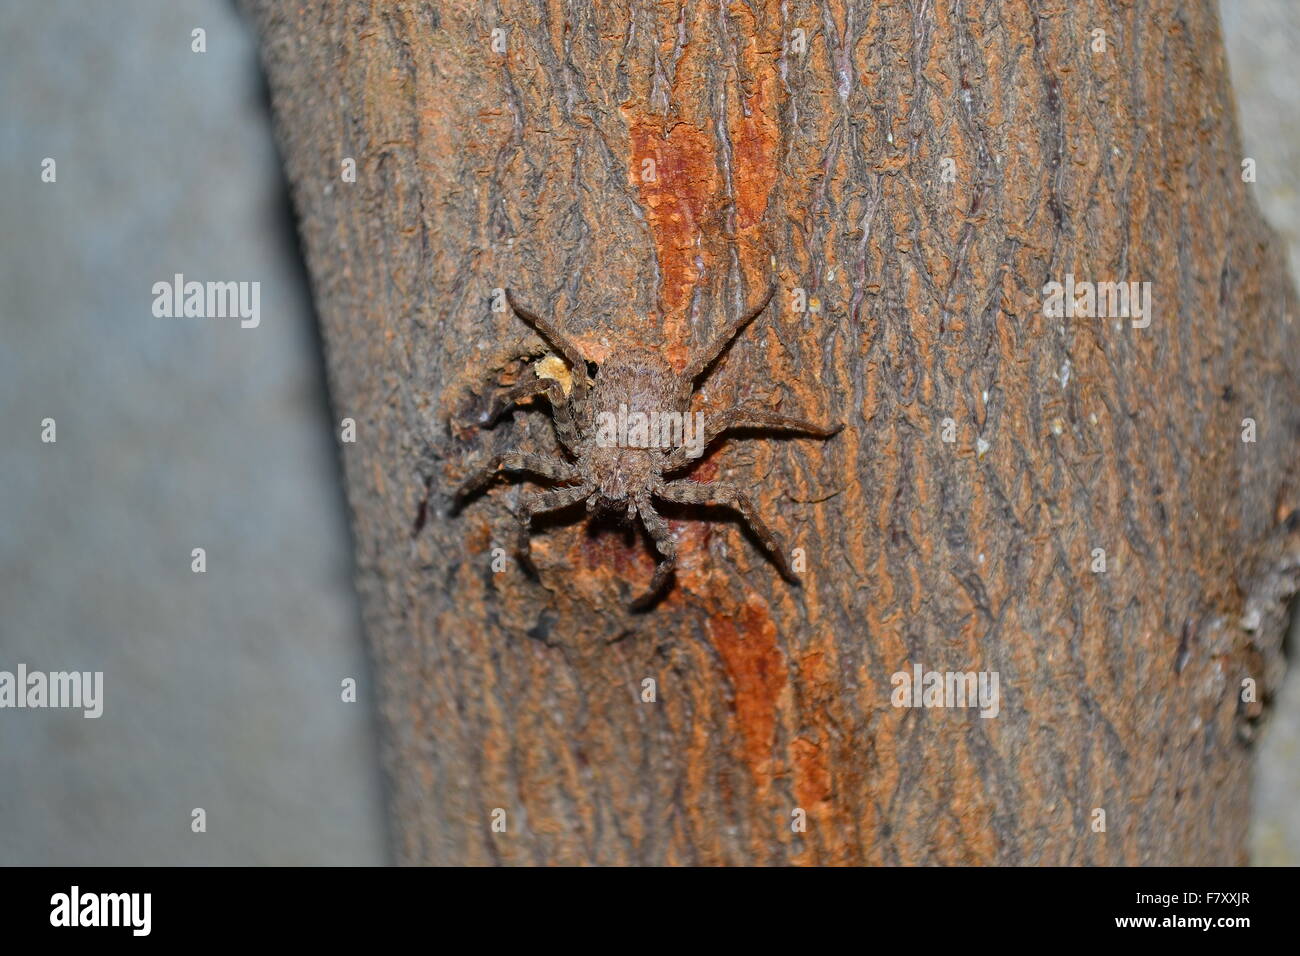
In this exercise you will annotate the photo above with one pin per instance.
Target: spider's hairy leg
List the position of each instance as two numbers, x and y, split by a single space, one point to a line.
541 503
504 401
692 493
572 354
666 547
681 456
701 361
561 412
528 464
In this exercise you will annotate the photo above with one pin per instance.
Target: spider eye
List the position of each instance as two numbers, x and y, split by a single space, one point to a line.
592 369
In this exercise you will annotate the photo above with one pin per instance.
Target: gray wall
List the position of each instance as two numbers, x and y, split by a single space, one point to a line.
1263 40
222 689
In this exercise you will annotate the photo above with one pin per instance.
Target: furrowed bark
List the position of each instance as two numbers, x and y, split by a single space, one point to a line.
914 174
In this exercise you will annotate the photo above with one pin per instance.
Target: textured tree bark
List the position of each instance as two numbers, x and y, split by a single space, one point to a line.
916 173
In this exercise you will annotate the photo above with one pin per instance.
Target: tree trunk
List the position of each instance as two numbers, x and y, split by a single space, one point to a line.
915 175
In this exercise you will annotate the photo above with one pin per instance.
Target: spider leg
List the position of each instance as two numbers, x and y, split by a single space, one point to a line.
561 412
529 464
691 493
666 547
701 361
541 503
572 355
519 393
681 456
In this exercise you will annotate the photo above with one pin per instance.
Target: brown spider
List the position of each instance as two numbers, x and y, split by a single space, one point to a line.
620 468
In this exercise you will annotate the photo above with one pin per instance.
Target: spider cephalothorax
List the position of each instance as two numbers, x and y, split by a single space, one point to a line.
624 432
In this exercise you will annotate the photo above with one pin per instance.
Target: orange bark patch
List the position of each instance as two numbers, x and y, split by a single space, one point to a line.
679 193
754 664
676 174
812 781
754 159
811 760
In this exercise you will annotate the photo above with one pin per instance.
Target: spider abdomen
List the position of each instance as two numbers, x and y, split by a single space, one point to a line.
637 405
638 380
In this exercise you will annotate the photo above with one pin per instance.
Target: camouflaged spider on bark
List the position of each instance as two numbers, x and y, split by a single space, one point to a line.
628 474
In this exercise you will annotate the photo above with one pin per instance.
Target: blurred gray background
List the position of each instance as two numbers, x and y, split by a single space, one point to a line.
1263 41
222 690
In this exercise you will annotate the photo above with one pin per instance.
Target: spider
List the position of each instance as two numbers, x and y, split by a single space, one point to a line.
627 474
